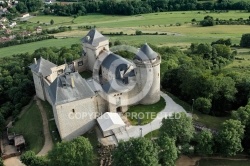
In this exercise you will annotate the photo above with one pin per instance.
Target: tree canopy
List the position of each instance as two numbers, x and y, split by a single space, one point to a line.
168 152
77 152
229 138
136 151
205 143
180 129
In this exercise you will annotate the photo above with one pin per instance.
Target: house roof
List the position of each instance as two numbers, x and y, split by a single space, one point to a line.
42 66
146 53
63 91
110 121
94 37
19 140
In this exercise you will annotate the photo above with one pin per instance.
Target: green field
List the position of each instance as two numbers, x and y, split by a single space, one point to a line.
30 125
149 23
31 47
207 120
144 110
223 162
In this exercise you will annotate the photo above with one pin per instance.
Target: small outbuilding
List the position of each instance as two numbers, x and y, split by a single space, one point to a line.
110 123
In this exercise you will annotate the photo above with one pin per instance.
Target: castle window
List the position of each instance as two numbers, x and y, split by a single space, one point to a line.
149 69
73 110
120 93
80 63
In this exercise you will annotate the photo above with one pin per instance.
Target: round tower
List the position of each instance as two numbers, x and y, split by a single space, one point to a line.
148 75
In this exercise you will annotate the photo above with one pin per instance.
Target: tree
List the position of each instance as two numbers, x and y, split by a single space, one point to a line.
1 162
205 143
223 51
243 115
29 158
207 21
52 22
168 151
2 123
229 138
203 105
21 7
178 127
245 40
77 152
136 151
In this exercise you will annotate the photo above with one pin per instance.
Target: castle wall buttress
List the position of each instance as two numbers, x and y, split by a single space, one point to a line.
39 86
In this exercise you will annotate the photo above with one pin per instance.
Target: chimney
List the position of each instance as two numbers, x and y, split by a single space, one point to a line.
35 61
72 82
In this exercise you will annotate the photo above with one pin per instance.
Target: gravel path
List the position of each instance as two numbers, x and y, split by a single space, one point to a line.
138 131
48 144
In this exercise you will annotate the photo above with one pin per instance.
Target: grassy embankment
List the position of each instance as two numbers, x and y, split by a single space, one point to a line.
143 112
30 125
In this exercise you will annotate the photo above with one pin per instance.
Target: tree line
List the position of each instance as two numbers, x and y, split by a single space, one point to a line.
130 7
175 137
210 21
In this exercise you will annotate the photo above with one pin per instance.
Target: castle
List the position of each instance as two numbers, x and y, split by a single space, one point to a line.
116 83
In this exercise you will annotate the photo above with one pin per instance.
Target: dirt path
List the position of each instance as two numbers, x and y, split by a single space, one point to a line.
48 144
187 161
13 161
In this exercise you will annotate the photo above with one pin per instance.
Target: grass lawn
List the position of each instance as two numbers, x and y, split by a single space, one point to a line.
223 162
52 124
31 47
91 135
31 126
207 120
143 111
152 134
86 74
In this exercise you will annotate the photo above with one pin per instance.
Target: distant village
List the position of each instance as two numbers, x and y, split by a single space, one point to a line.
9 26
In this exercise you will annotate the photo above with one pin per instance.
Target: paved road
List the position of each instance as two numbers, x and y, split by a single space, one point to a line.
48 144
138 131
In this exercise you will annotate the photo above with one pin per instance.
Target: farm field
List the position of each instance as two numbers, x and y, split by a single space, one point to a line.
31 47
164 22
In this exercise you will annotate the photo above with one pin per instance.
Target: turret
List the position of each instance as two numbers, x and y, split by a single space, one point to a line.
148 74
93 44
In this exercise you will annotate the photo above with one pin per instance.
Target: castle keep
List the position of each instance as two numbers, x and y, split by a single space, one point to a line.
116 84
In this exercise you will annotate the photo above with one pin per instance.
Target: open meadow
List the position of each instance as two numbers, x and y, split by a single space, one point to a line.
164 22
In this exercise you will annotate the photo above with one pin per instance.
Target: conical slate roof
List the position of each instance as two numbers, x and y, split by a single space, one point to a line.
146 53
93 37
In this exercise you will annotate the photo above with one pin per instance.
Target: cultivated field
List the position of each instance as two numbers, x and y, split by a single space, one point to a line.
164 22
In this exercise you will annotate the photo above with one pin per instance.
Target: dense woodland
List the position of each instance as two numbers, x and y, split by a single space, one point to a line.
130 7
125 7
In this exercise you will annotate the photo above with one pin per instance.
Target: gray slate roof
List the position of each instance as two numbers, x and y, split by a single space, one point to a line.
146 53
94 37
61 90
114 86
43 66
115 60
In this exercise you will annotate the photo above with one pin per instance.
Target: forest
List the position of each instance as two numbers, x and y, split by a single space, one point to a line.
128 7
140 7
